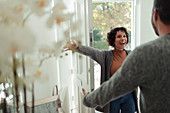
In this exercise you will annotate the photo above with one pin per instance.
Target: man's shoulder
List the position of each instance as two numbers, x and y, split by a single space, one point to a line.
149 45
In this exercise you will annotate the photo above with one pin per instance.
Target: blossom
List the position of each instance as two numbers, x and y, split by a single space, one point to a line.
15 39
38 76
75 26
59 14
13 12
28 80
32 73
39 7
60 6
58 17
53 49
78 39
74 31
67 34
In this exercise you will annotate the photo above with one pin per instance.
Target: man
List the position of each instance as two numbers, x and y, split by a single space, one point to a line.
147 67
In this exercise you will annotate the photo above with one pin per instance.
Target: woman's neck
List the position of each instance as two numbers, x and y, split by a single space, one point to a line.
118 49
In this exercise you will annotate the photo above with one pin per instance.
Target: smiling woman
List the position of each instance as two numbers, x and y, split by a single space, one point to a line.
110 61
114 14
118 38
121 40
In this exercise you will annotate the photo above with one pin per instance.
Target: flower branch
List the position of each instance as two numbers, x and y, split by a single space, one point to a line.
15 83
16 37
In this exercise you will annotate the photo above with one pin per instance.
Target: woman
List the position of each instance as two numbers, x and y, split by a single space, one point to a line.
110 61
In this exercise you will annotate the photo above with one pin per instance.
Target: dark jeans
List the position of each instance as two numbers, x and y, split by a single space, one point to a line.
125 103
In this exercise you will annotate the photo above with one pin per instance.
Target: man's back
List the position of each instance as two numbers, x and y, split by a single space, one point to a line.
152 71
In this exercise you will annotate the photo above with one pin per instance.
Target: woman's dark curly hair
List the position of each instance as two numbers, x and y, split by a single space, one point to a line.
111 36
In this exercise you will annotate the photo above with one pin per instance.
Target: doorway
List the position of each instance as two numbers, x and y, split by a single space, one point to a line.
107 15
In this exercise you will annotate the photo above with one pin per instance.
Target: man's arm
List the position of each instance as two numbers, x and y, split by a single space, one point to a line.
109 90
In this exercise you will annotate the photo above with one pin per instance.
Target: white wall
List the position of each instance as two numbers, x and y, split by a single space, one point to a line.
144 31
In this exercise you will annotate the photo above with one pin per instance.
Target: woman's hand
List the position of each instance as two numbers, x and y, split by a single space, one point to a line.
70 45
84 91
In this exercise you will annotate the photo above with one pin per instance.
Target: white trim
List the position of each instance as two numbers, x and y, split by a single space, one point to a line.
99 1
133 33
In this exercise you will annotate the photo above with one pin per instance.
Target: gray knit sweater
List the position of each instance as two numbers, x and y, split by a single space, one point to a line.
148 67
104 58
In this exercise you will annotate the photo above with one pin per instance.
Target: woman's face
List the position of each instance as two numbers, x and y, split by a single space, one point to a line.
120 40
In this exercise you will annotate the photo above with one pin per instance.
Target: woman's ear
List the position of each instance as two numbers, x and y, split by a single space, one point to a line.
108 43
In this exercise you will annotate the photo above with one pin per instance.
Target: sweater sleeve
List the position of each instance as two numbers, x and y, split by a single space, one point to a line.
122 82
95 54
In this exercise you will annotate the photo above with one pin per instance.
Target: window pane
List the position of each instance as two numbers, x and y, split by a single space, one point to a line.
108 15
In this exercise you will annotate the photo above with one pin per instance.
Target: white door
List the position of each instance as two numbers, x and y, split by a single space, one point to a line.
75 72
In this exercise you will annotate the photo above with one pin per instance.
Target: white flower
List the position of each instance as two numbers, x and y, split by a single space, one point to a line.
28 80
32 73
12 12
38 76
77 39
60 6
30 67
75 26
68 36
67 33
73 30
46 49
15 39
53 49
39 7
59 14
58 17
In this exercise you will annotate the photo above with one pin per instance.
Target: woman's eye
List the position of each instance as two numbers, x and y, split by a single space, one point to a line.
118 36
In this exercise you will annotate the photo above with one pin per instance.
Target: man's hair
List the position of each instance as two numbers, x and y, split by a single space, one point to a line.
163 9
111 36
